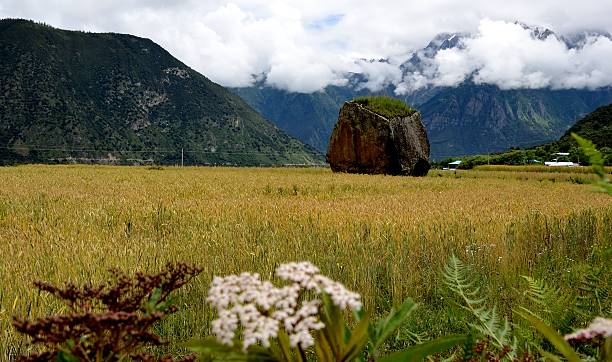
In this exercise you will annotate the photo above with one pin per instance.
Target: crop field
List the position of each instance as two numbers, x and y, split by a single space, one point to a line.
384 237
540 169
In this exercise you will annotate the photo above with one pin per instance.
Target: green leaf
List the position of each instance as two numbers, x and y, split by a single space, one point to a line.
358 340
597 163
595 157
331 317
553 337
606 350
323 348
66 357
285 345
549 356
418 352
261 354
457 278
210 346
151 305
604 186
373 330
393 321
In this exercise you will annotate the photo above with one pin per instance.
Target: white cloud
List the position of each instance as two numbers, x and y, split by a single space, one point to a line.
298 72
305 45
379 73
507 55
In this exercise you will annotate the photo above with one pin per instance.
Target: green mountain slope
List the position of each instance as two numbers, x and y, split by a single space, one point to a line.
66 94
596 127
468 119
309 117
477 119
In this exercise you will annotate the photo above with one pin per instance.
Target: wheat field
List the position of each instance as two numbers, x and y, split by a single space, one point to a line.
385 237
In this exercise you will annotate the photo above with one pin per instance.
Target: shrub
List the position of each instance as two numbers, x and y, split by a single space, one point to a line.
111 322
385 106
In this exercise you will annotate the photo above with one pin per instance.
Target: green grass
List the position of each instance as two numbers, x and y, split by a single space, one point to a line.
384 237
385 106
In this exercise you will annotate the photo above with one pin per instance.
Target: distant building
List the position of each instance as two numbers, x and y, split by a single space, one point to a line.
561 160
453 165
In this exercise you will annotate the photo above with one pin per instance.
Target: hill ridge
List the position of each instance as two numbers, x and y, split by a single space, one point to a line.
107 91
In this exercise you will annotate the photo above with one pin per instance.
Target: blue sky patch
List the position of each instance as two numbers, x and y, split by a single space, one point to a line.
326 22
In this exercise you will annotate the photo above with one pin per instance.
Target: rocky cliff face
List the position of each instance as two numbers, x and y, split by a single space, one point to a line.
366 142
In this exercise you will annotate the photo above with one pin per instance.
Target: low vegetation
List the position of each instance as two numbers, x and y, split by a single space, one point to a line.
525 157
582 170
109 322
385 106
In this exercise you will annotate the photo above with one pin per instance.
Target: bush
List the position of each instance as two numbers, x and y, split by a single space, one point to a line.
385 106
111 322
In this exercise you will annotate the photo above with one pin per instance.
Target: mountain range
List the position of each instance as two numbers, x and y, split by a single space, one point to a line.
75 96
69 95
470 118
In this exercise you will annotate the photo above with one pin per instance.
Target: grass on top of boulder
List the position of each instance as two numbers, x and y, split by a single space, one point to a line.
385 106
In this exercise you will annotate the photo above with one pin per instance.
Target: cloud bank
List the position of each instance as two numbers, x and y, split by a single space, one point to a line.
304 46
510 56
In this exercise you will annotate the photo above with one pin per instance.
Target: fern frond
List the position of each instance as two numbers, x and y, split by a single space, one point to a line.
541 296
595 294
457 278
538 290
414 337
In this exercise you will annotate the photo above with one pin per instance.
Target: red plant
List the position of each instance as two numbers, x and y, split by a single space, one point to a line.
111 322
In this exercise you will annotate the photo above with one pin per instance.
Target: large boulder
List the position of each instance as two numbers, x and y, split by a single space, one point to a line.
364 141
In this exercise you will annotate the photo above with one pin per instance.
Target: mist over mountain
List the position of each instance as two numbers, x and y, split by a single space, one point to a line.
478 93
74 95
511 56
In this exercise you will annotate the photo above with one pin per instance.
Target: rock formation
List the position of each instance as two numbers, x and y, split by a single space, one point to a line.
366 142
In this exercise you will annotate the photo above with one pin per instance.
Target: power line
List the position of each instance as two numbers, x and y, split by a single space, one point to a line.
42 148
133 161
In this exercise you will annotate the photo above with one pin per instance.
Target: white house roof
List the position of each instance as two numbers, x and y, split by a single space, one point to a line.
458 162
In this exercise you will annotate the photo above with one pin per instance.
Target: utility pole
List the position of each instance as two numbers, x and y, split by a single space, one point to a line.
182 158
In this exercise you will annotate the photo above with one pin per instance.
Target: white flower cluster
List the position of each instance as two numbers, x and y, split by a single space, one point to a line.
240 300
261 309
307 276
599 327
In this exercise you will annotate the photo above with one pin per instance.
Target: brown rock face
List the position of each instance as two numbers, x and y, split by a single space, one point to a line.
365 142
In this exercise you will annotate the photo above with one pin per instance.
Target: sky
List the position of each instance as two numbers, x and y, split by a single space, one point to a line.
303 46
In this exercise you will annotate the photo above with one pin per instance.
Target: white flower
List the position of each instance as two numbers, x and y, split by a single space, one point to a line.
257 327
225 326
302 338
261 309
302 322
339 295
301 273
307 276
